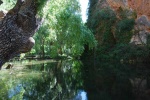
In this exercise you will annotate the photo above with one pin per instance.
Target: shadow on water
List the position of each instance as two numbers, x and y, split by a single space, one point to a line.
58 80
115 81
74 80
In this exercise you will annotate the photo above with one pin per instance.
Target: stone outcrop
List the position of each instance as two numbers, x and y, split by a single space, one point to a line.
141 8
137 9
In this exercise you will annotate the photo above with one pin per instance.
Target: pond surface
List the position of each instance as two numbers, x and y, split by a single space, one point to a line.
74 80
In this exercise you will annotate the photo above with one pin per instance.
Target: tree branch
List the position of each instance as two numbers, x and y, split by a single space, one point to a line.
17 29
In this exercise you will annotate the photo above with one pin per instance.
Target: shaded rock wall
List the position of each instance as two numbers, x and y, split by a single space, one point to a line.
141 7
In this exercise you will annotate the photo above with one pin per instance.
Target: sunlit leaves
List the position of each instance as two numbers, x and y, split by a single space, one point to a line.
65 22
63 32
7 4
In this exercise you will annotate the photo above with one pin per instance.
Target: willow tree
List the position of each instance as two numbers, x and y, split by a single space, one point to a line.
17 28
67 33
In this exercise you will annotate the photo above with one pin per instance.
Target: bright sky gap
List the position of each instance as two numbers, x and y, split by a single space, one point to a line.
84 6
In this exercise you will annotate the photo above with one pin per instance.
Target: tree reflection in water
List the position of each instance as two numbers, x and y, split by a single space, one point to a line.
115 81
81 95
74 80
47 81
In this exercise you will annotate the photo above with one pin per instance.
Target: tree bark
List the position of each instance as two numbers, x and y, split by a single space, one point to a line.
17 29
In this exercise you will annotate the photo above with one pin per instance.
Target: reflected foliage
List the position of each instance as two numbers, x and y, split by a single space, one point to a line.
67 80
51 81
115 81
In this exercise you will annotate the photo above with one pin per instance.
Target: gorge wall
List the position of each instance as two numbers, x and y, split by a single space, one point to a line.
140 6
139 10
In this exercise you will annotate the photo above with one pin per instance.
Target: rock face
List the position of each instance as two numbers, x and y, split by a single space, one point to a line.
141 8
116 4
138 8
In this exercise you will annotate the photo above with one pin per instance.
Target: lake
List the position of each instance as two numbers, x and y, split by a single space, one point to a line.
74 80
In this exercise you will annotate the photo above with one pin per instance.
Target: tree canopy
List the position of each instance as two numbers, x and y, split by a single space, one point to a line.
63 32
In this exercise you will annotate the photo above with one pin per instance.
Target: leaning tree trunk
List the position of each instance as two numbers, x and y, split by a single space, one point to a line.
17 29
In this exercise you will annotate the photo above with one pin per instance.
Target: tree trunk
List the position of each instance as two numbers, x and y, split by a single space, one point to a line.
43 49
17 28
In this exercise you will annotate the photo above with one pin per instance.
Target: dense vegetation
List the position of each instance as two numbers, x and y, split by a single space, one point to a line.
113 31
63 34
105 37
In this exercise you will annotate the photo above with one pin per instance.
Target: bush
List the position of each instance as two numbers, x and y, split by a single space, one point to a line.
124 30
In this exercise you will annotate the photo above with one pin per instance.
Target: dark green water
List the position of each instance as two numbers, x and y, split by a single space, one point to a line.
74 80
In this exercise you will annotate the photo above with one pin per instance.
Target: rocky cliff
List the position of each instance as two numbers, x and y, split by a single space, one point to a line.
141 7
135 9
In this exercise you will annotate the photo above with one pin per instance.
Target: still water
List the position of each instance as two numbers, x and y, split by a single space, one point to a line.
74 80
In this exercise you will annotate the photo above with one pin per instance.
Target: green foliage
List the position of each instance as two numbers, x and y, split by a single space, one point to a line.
102 23
126 13
62 33
113 32
125 52
71 34
7 4
139 53
92 7
41 4
3 90
47 79
124 30
42 46
107 14
148 40
125 25
101 18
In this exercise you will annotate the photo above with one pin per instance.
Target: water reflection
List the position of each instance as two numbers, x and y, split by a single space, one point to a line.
59 80
115 81
74 80
81 95
14 91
